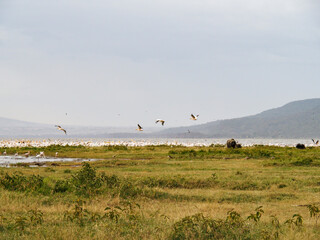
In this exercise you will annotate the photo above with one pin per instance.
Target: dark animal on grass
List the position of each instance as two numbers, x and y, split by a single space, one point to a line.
300 146
238 145
231 143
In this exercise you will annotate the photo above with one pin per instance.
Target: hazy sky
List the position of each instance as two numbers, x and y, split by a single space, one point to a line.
155 59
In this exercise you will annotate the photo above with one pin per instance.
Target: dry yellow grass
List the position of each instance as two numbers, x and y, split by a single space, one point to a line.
212 181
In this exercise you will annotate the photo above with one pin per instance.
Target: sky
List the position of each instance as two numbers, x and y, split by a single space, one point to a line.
119 63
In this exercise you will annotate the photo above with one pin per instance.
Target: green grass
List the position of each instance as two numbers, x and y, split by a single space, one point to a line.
163 192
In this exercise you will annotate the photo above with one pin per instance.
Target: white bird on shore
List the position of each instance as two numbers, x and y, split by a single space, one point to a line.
194 117
56 154
60 128
315 142
161 121
16 154
27 154
41 154
139 128
5 152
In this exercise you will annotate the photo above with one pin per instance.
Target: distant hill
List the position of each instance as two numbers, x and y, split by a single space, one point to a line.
22 129
298 119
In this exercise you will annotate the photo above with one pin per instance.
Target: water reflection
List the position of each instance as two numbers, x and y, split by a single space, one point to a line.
6 161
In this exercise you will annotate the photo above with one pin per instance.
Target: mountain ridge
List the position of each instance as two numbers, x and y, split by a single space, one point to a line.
296 119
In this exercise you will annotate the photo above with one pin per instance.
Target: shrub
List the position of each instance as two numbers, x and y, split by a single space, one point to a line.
86 182
128 190
282 185
180 182
35 216
18 182
233 227
314 212
296 220
200 227
257 215
79 214
115 148
49 170
110 181
303 162
61 186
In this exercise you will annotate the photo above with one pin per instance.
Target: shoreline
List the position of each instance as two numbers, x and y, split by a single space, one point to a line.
150 142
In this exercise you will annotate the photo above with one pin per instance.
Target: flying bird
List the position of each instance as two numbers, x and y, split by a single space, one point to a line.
194 117
139 128
315 142
160 120
60 128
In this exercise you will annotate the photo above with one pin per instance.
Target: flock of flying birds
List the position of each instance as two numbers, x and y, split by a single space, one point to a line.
41 154
193 117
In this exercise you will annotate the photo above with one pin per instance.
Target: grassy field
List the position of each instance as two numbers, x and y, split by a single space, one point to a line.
163 192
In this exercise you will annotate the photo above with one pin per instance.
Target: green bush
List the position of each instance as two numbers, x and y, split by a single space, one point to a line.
128 190
233 227
115 148
110 181
19 182
180 182
303 162
85 182
61 186
201 227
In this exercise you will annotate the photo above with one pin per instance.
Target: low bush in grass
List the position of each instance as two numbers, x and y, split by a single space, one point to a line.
115 148
233 226
128 190
110 181
61 186
86 182
19 182
201 227
303 162
179 182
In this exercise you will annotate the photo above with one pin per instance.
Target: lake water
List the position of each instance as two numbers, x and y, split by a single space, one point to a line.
6 161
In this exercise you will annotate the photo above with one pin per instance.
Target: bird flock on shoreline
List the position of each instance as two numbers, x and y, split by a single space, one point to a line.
99 143
140 128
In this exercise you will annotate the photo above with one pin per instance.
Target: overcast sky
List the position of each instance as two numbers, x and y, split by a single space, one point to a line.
123 62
